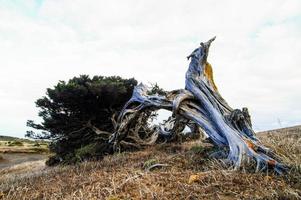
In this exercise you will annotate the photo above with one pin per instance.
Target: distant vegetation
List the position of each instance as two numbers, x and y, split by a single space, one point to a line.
18 145
15 143
10 138
7 138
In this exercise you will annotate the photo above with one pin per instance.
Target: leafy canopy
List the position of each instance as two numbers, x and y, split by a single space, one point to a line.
72 111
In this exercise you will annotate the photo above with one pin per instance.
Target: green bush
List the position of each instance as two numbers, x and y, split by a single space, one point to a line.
198 149
85 152
70 110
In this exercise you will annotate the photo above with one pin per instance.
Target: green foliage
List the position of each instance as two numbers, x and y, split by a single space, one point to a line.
198 149
70 108
155 89
87 151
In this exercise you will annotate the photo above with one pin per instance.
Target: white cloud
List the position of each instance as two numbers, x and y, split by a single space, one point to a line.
255 57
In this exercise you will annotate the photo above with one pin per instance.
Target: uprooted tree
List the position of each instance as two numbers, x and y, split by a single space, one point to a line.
199 106
78 116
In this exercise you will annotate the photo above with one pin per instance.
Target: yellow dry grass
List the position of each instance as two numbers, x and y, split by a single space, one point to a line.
23 169
187 173
25 148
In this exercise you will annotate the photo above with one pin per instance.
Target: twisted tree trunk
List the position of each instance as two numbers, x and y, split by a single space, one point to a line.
199 106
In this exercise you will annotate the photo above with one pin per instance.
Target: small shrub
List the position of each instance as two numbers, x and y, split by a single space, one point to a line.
36 144
87 151
149 163
113 198
70 158
40 150
15 143
198 149
84 153
53 160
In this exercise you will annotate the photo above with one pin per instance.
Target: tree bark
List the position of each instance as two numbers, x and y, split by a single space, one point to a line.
199 104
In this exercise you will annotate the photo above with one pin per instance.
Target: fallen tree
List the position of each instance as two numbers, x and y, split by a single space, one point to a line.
80 131
201 108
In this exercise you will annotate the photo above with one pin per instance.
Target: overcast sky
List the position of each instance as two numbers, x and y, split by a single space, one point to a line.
256 57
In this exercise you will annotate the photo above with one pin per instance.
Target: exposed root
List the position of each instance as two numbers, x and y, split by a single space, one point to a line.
201 108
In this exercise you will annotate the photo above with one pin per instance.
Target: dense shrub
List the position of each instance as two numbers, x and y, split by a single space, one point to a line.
71 110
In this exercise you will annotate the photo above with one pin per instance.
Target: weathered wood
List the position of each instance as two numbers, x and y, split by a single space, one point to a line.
200 106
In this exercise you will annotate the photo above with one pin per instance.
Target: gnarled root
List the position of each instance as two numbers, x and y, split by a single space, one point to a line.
201 108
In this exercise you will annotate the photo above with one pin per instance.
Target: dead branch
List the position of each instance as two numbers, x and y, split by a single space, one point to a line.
201 108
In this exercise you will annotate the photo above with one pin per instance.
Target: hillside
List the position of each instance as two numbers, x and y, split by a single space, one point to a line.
168 171
7 138
10 138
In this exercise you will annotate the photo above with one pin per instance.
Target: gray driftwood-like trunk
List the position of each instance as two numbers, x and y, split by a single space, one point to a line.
201 108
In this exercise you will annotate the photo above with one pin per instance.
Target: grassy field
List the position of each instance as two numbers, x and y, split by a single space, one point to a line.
17 145
20 156
184 171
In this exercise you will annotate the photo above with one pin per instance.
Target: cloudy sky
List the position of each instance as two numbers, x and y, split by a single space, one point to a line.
256 56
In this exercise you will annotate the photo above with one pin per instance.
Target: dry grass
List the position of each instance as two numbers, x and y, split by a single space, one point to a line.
22 146
23 149
10 174
187 173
